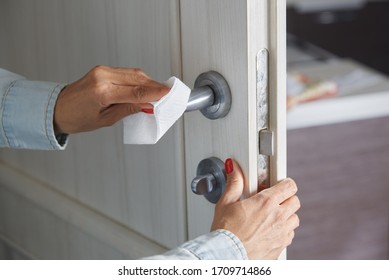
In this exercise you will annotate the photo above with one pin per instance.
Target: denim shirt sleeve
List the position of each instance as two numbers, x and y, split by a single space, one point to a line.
217 245
26 113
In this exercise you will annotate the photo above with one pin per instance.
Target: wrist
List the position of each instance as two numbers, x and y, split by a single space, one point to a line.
57 123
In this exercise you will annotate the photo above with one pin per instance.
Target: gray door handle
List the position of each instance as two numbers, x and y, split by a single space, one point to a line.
210 180
211 95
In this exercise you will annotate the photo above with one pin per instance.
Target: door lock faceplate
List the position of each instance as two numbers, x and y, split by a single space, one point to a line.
265 135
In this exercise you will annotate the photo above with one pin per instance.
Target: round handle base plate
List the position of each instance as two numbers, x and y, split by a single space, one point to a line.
222 94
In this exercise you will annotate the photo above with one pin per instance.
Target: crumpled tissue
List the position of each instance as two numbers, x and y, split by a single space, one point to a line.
142 128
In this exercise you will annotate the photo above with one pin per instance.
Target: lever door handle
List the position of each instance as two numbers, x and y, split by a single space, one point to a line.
201 97
211 95
210 180
204 184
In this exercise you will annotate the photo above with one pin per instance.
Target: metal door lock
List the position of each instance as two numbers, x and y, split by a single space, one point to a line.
210 180
211 95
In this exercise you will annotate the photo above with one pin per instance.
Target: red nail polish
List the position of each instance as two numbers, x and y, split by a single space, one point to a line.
262 186
229 166
148 111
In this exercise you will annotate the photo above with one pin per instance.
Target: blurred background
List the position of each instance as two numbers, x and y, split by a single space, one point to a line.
338 127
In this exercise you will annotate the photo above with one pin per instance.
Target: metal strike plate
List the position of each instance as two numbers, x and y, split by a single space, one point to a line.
211 95
266 144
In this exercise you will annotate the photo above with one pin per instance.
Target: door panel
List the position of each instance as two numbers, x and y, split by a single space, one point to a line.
226 36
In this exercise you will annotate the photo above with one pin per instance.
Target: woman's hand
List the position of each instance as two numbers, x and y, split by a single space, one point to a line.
104 96
265 222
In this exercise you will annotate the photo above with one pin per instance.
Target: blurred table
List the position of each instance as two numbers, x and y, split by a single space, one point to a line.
363 92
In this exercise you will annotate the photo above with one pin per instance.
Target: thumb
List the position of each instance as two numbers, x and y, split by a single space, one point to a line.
117 112
235 183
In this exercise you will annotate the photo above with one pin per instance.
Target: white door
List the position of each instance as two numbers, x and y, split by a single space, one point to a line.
229 37
103 199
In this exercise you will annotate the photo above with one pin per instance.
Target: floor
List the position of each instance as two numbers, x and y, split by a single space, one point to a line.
342 171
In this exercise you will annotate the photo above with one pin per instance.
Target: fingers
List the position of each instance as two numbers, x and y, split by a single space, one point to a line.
120 76
281 191
286 238
116 112
235 183
292 223
125 85
133 77
290 206
135 94
145 106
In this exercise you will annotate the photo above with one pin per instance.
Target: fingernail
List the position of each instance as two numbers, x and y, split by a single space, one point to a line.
262 186
148 111
229 166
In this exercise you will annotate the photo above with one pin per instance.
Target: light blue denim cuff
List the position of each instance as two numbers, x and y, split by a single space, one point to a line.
27 114
217 245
